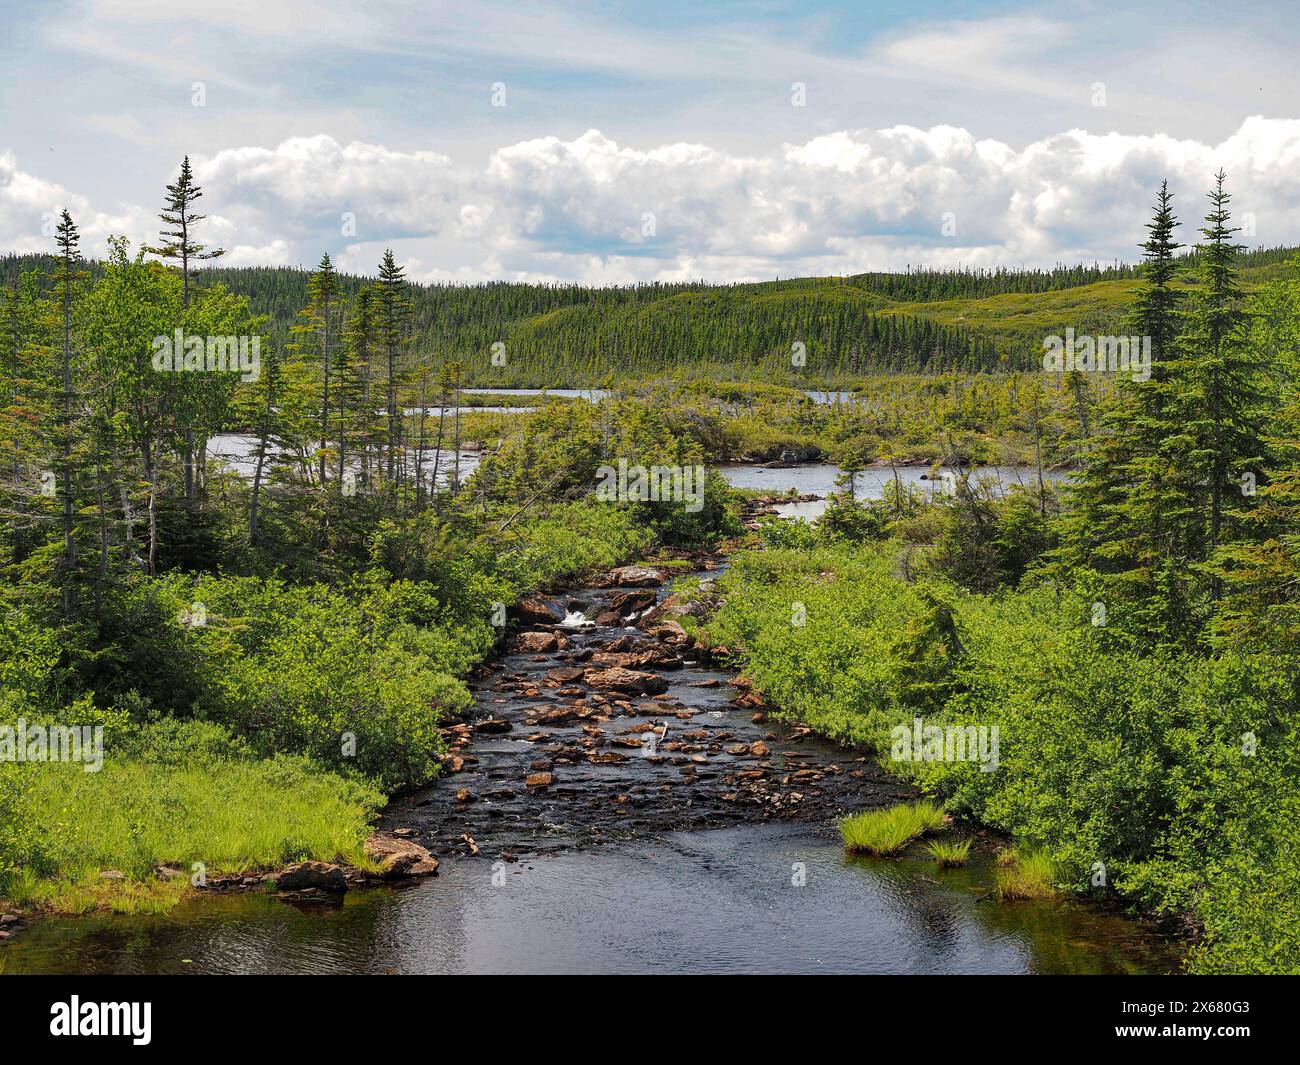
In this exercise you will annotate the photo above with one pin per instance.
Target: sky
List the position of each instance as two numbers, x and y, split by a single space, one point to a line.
624 142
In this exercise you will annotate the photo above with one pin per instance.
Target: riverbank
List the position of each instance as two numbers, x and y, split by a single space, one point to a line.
1114 765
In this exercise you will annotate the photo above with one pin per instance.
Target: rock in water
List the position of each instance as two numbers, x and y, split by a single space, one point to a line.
538 610
630 681
631 577
399 857
535 643
323 875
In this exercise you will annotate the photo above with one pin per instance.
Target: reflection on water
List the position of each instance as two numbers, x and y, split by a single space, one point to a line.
239 452
712 902
594 395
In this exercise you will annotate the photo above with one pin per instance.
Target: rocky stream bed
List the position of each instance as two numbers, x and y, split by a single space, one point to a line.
603 721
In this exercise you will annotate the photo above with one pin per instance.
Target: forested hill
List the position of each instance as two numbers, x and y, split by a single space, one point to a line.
572 334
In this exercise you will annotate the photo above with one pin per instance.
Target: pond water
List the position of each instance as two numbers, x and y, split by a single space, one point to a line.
595 395
238 451
819 479
821 397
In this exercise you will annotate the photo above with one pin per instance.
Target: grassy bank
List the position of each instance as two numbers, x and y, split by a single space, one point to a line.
174 801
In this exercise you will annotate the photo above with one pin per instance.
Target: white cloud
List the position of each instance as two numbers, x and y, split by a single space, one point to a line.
29 208
594 210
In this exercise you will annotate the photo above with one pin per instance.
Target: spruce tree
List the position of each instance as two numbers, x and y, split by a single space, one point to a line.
394 315
179 218
179 243
1114 526
1215 395
1261 569
66 275
358 382
317 331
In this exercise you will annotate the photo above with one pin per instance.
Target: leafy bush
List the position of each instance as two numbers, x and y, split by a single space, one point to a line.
356 678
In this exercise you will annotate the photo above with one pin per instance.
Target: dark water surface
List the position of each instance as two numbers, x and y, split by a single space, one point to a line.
720 901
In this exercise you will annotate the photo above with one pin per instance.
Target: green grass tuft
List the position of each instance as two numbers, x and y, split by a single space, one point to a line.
949 853
1026 875
889 831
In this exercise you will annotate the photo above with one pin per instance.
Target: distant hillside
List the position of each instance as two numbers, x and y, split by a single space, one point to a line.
919 320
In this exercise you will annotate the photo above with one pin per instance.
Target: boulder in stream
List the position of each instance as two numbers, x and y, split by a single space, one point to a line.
535 643
630 681
540 610
630 577
324 876
399 858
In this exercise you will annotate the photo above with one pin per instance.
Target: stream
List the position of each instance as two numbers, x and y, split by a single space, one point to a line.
615 803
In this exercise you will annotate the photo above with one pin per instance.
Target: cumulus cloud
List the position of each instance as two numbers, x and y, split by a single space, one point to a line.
30 206
594 210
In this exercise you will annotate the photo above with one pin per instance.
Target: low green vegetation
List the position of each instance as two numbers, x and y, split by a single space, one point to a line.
889 830
173 801
1026 874
949 853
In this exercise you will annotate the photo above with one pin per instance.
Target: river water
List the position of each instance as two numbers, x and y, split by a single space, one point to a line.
819 479
719 901
238 450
